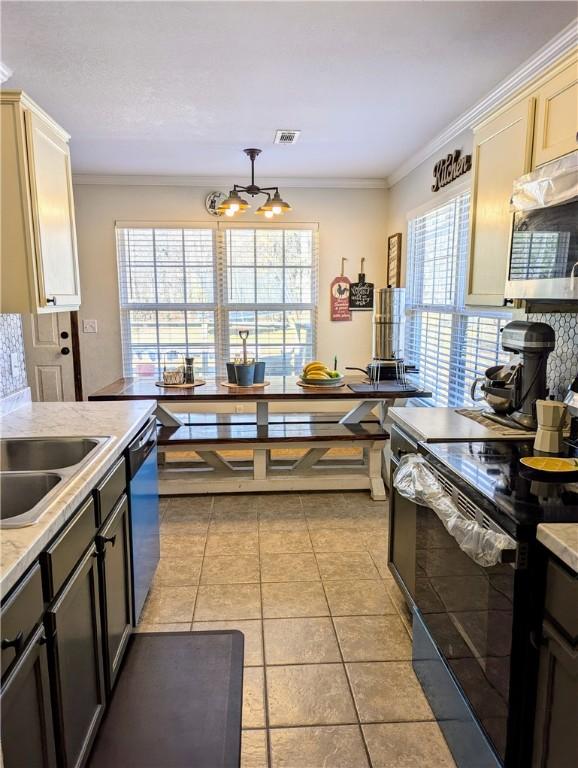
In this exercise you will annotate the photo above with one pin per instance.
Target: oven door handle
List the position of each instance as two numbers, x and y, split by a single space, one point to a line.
418 482
478 542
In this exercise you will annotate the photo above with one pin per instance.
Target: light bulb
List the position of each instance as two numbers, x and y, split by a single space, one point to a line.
229 212
276 209
269 214
234 207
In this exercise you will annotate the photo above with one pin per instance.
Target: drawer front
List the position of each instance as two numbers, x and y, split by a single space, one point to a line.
562 599
109 491
20 614
61 557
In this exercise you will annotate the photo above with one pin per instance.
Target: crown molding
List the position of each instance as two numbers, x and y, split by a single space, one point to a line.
547 56
221 182
5 72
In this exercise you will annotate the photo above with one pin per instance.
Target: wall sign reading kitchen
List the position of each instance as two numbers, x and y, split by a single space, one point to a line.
450 168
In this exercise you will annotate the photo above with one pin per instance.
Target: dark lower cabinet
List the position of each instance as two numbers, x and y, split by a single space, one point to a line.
556 724
556 731
402 537
65 628
113 544
27 724
75 652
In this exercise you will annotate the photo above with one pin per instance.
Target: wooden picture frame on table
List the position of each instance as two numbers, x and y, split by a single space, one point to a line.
394 260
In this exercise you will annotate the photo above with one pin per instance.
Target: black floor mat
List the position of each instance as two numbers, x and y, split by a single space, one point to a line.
177 703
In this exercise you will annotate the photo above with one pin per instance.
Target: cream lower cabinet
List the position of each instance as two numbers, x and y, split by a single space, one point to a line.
556 131
39 257
502 151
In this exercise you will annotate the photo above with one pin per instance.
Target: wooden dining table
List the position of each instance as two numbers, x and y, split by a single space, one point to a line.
278 389
215 438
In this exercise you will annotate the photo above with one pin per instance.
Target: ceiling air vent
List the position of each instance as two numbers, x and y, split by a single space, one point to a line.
286 137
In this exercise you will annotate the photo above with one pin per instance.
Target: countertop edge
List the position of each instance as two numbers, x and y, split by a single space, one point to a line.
397 418
63 507
449 430
562 540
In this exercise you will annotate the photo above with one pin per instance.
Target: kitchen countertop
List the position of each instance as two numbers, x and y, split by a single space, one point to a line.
433 425
19 547
562 540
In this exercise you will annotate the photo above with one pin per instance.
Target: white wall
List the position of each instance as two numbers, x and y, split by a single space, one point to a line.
352 223
414 190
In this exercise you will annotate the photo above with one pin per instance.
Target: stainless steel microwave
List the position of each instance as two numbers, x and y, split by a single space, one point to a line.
543 261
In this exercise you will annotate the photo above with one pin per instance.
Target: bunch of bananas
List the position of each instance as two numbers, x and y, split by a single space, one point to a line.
317 371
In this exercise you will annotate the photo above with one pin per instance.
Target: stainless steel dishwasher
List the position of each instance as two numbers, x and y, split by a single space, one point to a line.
144 512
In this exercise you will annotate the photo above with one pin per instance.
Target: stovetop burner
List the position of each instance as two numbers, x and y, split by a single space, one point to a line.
493 471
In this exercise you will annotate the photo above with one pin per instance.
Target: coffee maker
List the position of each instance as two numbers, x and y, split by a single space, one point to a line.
526 382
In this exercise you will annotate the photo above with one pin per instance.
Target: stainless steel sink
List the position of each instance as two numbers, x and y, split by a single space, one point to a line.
43 454
34 469
21 494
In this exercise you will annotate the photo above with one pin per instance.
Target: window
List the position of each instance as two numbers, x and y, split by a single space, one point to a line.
188 291
271 289
450 343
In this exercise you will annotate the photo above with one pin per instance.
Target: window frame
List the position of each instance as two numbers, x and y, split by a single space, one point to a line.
460 313
220 307
226 307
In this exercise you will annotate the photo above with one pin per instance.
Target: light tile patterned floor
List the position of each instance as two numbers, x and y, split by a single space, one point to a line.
328 677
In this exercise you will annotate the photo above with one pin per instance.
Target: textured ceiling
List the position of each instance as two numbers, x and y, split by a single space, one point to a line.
180 88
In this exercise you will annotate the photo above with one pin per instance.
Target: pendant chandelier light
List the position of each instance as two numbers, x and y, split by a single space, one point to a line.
274 205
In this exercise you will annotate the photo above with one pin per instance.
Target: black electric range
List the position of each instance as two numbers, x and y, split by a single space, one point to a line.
477 627
519 498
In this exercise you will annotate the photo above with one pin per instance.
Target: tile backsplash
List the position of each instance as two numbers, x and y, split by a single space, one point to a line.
563 361
12 363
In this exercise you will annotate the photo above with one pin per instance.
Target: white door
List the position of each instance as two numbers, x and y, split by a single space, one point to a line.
49 361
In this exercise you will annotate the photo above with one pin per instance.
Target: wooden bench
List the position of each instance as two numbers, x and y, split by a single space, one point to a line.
207 435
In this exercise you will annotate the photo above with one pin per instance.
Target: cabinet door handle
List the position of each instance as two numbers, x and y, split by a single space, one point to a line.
15 643
65 351
107 539
51 299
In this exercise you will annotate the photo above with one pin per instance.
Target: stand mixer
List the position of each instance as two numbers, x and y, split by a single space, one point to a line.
513 390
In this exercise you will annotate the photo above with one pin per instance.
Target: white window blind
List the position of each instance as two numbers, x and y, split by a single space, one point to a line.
450 343
271 288
188 291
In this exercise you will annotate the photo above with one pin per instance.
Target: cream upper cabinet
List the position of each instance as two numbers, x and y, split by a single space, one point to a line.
39 256
557 116
502 151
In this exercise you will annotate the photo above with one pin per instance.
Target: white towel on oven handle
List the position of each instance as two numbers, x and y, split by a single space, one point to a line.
416 482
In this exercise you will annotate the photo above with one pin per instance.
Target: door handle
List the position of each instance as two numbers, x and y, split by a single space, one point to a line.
65 351
15 643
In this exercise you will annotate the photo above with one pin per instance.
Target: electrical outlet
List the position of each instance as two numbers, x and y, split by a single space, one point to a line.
14 364
89 326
